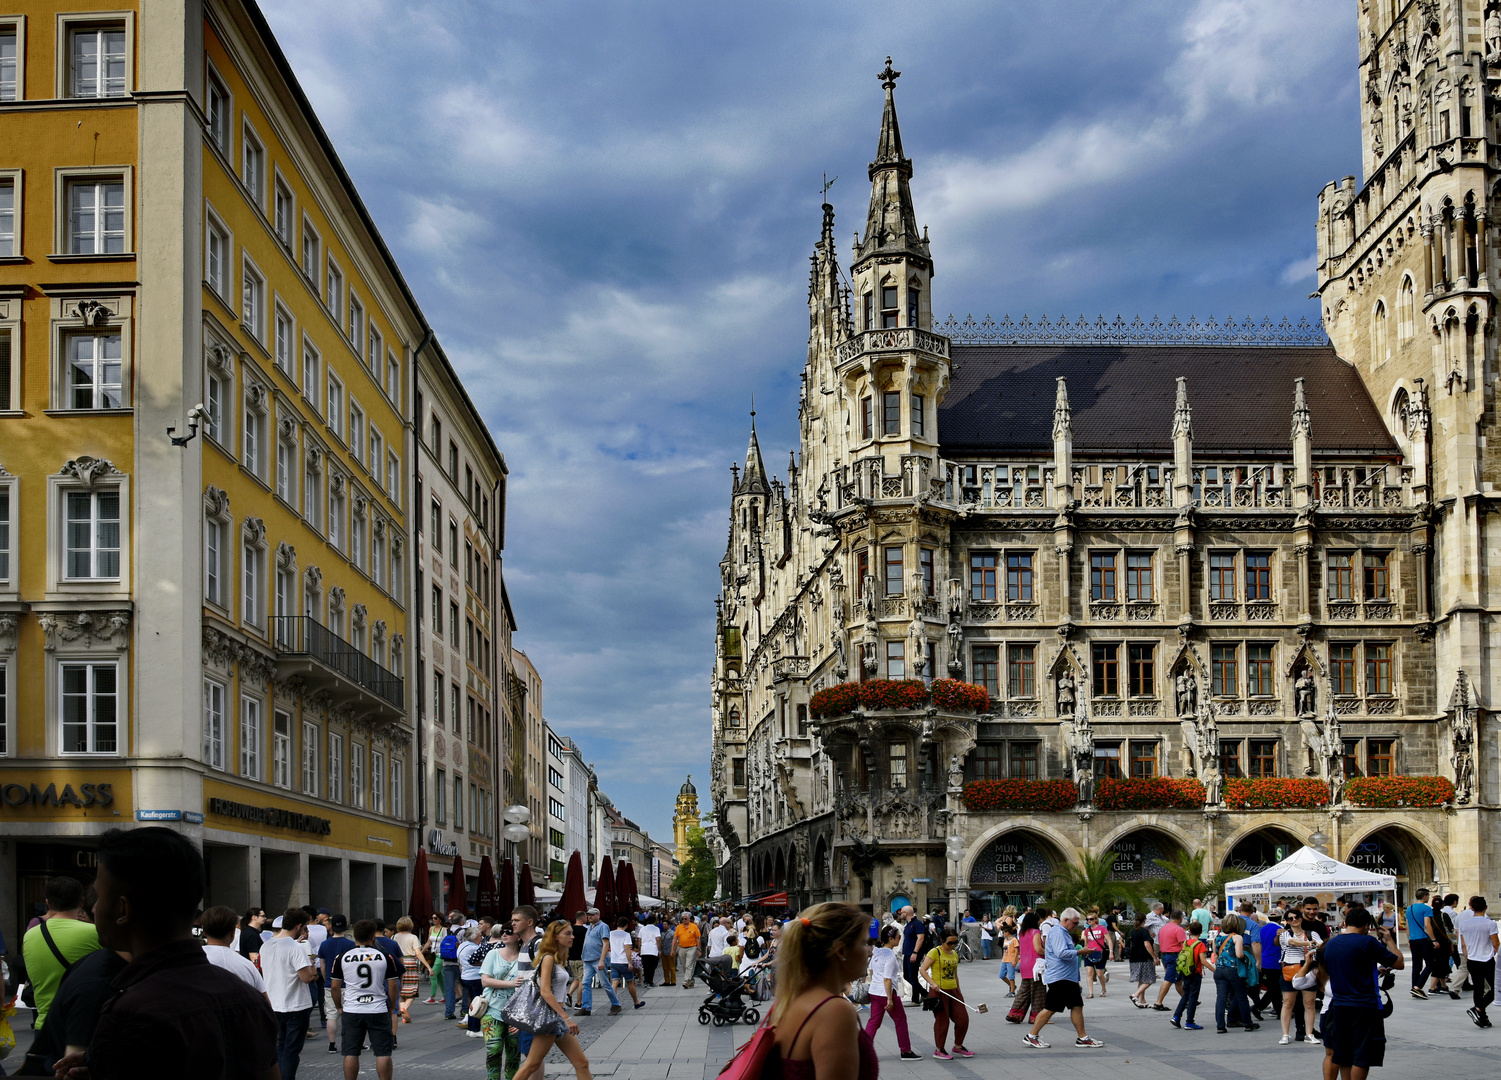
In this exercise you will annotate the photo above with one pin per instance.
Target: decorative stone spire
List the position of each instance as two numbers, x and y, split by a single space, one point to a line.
1183 413
1063 446
1302 418
891 224
1063 425
1183 446
1302 447
754 480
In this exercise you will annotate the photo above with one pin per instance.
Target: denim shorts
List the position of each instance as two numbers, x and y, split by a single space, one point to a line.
1008 971
623 972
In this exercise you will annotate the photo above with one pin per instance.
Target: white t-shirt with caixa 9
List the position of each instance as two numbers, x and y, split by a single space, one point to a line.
364 971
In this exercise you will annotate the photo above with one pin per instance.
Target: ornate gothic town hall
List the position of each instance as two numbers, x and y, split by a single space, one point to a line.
1060 589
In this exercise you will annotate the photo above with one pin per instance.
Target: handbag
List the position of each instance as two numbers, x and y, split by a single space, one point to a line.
526 1011
757 1059
860 992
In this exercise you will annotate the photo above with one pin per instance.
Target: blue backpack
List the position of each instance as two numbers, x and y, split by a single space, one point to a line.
448 948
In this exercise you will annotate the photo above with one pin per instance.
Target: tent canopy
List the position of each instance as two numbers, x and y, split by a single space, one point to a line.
1309 870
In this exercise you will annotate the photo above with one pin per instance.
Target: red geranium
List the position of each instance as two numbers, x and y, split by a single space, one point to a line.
1275 793
999 795
893 693
1399 790
951 695
1156 793
838 700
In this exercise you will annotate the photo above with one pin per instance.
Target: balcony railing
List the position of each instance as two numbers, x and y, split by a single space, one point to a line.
299 635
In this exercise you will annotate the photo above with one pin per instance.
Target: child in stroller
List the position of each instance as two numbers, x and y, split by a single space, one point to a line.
725 1004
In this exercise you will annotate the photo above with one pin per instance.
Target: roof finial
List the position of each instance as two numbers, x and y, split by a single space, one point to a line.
889 77
753 412
827 183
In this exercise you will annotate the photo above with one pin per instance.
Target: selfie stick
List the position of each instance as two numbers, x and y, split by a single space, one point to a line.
980 1008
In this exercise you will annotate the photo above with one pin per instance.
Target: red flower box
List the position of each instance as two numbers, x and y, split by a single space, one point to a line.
951 695
893 693
838 700
1399 790
1275 793
1156 793
992 795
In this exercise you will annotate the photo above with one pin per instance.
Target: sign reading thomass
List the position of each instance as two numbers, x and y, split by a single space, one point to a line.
15 796
274 816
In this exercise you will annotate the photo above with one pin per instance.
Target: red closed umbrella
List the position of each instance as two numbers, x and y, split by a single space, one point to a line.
507 896
573 888
422 891
527 893
458 891
487 901
604 892
625 890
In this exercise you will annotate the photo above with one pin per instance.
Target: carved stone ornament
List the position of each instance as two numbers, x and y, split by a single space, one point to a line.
286 430
86 628
286 556
320 701
218 648
86 470
10 626
336 599
216 502
257 667
255 395
358 614
312 579
378 631
361 504
1462 740
378 530
93 313
336 485
255 532
314 459
291 688
397 545
220 358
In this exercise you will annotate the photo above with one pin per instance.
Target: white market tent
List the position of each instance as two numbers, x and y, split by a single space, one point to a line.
1308 870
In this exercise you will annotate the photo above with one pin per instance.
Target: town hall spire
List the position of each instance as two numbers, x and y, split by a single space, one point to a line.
891 224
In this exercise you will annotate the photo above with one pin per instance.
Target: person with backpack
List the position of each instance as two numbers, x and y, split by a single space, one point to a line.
1235 968
1190 969
816 1030
448 952
54 945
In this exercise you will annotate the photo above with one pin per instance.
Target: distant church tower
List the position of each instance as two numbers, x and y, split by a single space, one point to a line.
685 817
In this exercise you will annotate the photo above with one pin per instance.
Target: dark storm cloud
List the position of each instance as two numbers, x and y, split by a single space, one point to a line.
606 210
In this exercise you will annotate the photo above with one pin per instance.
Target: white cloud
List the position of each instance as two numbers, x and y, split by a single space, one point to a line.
1300 270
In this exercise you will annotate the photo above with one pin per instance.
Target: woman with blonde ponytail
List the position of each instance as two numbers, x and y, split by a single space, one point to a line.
819 1036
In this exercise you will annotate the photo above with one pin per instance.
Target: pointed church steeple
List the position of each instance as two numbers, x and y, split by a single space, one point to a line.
891 223
754 480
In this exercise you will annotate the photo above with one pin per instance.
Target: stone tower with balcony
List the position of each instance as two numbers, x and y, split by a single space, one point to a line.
1409 288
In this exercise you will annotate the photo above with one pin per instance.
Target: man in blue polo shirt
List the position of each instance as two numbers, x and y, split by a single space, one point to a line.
592 956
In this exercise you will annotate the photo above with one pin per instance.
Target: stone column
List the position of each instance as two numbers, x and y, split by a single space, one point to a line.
1480 244
1427 230
1461 249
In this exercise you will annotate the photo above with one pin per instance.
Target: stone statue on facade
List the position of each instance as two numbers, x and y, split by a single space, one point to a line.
1305 694
917 646
1067 694
1334 755
956 773
1187 689
1462 739
1209 755
956 649
841 661
1081 750
868 597
1493 37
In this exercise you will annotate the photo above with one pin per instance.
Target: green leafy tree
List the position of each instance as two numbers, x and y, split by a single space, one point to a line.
697 878
1091 886
1187 882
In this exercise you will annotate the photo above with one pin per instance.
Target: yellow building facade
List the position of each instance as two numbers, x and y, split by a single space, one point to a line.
210 632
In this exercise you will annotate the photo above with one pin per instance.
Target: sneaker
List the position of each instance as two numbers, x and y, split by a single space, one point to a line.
1311 1041
1034 1041
911 1055
1454 994
640 1005
332 1049
615 1010
1417 992
474 1034
1175 1022
1285 1040
1221 1031
1193 1027
943 1055
1011 993
583 1012
960 1051
462 1024
1253 1027
1087 1041
1474 1015
1104 978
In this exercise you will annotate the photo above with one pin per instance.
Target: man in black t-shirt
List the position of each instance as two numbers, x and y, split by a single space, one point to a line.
75 1009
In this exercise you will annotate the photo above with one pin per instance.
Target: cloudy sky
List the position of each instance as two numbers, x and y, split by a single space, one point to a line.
606 209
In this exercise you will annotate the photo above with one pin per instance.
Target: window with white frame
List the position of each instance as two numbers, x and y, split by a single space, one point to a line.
6 533
377 552
335 768
8 245
218 109
215 562
312 494
255 455
97 61
253 571
89 697
285 598
376 452
250 738
398 797
356 774
356 438
213 724
253 300
356 324
91 521
286 335
393 379
311 246
9 59
216 256
214 393
336 513
96 215
8 398
377 781
281 749
357 535
377 349
309 758
282 209
335 410
93 379
253 165
286 464
334 296
312 365
396 580
393 477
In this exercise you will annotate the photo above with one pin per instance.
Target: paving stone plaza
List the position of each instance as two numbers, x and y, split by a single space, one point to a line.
664 1041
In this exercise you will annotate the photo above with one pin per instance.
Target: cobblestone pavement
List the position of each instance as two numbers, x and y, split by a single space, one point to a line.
664 1041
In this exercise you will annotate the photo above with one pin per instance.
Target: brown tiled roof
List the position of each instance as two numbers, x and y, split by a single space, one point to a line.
1001 399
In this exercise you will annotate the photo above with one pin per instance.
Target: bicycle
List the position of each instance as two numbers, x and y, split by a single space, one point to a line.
966 954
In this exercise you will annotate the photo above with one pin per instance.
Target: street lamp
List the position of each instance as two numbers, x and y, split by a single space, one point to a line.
954 847
1318 840
515 832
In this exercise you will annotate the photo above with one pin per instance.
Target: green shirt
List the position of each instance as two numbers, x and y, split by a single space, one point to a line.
1204 919
73 937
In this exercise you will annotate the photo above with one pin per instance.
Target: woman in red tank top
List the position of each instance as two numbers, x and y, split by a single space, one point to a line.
819 1036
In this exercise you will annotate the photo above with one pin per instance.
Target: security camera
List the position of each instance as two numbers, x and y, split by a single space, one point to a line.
197 412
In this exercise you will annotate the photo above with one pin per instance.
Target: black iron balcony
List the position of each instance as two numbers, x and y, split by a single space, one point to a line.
297 637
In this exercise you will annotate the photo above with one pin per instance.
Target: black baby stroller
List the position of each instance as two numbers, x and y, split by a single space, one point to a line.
726 1001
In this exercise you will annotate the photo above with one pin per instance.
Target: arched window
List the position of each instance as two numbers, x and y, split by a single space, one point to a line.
1405 310
1399 422
734 716
1378 334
